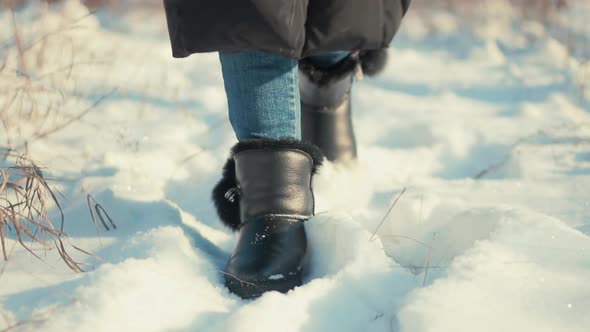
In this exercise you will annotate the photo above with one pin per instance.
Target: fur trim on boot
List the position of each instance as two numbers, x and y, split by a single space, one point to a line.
324 76
225 196
372 62
226 193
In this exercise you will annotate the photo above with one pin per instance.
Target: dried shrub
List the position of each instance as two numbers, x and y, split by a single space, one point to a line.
40 77
25 201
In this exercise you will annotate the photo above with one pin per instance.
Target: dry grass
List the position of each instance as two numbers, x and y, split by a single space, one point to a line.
39 98
25 201
38 85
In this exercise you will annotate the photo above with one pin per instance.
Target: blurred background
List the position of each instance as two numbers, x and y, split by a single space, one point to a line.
562 20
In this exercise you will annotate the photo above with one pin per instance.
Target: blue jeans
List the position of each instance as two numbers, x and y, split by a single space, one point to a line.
263 92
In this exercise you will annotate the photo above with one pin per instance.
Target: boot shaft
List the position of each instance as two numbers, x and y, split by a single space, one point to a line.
267 177
274 183
330 95
326 119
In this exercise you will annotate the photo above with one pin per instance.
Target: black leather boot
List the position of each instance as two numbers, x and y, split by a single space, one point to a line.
326 119
266 195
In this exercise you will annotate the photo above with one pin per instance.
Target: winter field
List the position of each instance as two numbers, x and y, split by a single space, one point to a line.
479 128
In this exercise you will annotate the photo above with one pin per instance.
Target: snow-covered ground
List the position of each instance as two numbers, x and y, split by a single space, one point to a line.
486 127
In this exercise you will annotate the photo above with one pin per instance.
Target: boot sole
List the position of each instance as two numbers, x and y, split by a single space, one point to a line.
253 289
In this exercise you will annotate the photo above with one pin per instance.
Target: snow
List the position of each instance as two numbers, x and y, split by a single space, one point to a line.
488 130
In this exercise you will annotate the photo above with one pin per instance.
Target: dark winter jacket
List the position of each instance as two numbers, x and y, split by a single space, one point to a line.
295 28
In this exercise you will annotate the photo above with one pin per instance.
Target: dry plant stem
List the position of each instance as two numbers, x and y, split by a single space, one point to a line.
430 250
242 282
101 213
4 255
17 38
26 101
493 167
70 26
523 140
88 200
71 120
40 317
19 324
407 238
387 214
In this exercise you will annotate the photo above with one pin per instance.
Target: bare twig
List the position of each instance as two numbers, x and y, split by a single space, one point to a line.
17 38
242 282
73 119
428 259
100 212
388 212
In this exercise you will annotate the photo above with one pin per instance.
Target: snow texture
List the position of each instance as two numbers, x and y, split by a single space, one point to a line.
485 128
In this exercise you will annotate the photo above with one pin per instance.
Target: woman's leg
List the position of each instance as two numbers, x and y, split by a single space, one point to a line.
263 92
265 193
263 95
